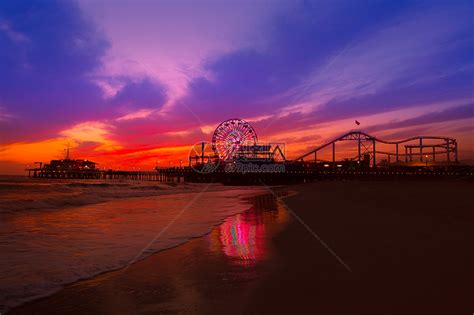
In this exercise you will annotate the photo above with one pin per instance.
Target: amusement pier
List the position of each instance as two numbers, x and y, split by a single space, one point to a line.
235 155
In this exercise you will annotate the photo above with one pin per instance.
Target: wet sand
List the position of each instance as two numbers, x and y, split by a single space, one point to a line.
211 274
408 244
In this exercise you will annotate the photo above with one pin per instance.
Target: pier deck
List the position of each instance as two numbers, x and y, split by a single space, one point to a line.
188 174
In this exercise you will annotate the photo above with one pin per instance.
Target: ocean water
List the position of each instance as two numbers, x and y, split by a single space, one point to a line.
54 232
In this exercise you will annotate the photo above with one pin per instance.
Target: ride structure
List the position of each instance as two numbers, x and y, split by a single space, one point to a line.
230 135
408 151
235 156
235 140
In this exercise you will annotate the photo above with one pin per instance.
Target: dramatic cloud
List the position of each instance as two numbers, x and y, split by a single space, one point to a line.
370 63
49 55
45 64
299 71
170 40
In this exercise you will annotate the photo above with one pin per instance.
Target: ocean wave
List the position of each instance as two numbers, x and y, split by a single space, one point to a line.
82 242
27 196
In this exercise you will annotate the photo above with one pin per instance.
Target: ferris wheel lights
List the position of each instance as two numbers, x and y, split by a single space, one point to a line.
229 136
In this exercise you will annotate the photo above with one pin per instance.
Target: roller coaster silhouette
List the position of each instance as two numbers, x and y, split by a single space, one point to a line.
415 149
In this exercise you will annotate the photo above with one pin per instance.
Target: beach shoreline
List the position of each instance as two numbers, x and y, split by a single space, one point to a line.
239 260
407 247
61 240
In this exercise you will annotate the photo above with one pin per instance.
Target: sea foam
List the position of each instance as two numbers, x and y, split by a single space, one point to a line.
56 233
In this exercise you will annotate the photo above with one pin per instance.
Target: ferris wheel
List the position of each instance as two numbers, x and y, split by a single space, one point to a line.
230 135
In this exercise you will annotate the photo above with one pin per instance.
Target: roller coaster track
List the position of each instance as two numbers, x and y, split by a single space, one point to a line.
447 143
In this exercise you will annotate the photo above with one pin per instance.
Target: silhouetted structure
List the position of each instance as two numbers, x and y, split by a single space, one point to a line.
414 148
250 163
66 165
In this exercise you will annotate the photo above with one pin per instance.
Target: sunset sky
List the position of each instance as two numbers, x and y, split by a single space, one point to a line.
128 83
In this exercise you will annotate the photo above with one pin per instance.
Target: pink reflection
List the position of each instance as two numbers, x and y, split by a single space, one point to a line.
242 237
246 238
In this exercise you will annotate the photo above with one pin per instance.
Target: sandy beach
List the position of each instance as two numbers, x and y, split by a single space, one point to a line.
407 244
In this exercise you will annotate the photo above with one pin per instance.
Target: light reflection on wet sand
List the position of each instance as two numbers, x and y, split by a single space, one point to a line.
205 274
244 237
46 249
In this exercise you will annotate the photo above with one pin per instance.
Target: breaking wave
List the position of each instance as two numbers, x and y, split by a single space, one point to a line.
37 195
